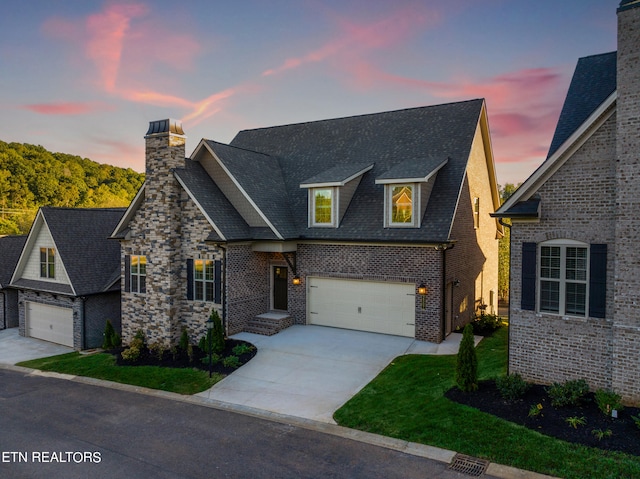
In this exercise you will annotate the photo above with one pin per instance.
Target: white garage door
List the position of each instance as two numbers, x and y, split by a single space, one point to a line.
387 308
50 323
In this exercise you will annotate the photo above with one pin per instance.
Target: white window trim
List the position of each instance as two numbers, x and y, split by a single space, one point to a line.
204 280
335 198
134 278
563 244
415 206
48 262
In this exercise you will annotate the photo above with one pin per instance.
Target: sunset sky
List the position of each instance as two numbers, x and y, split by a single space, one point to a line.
85 77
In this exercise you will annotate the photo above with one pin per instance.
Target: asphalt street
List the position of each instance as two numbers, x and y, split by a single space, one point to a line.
55 428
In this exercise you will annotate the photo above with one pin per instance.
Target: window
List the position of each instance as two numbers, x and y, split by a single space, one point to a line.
47 263
402 205
476 213
323 205
563 279
138 274
203 279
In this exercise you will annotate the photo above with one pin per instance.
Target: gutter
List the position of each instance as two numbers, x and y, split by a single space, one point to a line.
4 307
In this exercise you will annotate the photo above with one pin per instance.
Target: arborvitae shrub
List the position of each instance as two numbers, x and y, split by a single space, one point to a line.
184 340
109 336
467 363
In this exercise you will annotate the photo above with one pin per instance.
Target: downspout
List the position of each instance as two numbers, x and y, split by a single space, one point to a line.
501 221
84 328
443 315
4 307
224 289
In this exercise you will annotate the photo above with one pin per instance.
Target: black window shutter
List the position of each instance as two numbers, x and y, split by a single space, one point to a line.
598 280
528 299
190 279
127 273
218 282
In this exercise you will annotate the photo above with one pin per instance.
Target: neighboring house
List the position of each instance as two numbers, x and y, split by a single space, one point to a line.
575 261
335 223
68 276
10 249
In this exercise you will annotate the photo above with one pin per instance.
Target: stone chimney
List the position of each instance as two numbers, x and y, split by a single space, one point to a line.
626 331
165 150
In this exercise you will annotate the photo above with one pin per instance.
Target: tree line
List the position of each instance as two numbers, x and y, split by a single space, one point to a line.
31 177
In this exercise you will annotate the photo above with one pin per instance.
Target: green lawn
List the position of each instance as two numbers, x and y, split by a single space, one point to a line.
406 401
103 366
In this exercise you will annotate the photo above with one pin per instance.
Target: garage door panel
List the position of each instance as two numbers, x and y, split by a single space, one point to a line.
49 323
380 307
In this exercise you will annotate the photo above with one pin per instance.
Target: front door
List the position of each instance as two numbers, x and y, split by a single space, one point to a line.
280 285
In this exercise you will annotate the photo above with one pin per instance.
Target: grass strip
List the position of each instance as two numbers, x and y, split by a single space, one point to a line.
103 366
406 401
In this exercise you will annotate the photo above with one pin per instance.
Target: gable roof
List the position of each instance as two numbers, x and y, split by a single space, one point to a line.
81 237
272 165
10 249
590 100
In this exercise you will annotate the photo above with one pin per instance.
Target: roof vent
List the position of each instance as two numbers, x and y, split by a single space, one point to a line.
165 126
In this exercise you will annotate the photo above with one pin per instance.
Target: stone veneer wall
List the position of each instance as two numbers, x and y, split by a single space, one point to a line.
626 332
577 203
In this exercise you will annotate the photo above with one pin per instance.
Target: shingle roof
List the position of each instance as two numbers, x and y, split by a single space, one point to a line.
338 174
292 154
594 80
10 249
81 236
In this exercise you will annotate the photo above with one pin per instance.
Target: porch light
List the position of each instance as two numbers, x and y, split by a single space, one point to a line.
209 323
422 291
296 280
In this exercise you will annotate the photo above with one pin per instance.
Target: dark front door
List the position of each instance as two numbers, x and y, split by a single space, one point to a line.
280 285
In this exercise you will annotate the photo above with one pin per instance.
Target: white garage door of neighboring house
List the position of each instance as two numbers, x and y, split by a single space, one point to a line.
378 307
50 323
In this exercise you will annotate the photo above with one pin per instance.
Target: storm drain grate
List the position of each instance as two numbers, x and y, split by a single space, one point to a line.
468 465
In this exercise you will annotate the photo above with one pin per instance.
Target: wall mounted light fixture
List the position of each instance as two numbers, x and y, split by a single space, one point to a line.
296 280
422 291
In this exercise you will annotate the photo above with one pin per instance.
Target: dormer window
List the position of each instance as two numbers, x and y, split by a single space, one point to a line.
407 187
401 204
47 263
323 203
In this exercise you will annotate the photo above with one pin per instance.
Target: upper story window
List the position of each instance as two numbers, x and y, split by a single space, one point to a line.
323 205
138 274
47 263
203 279
563 277
402 205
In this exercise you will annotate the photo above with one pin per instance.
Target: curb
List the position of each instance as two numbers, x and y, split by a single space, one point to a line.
411 448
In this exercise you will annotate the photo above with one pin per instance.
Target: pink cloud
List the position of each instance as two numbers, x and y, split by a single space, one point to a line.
355 40
65 108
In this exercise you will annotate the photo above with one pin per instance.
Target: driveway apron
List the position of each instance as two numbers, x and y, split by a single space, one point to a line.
310 371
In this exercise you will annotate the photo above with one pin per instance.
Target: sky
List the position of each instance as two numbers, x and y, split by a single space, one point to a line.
86 77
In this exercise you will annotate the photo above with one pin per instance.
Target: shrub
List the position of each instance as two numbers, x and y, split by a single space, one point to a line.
111 338
467 362
157 349
215 359
575 421
215 335
636 420
190 352
608 401
241 349
486 324
231 362
132 353
184 340
569 393
511 387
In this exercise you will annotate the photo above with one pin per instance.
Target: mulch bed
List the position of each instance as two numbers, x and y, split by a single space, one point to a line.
625 435
181 359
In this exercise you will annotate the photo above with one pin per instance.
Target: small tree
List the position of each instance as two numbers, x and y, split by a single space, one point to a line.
467 363
184 340
111 338
215 335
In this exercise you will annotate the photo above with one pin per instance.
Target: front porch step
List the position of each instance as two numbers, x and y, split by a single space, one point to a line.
269 323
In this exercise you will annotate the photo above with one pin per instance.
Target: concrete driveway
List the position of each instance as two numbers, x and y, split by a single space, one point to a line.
15 348
310 371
